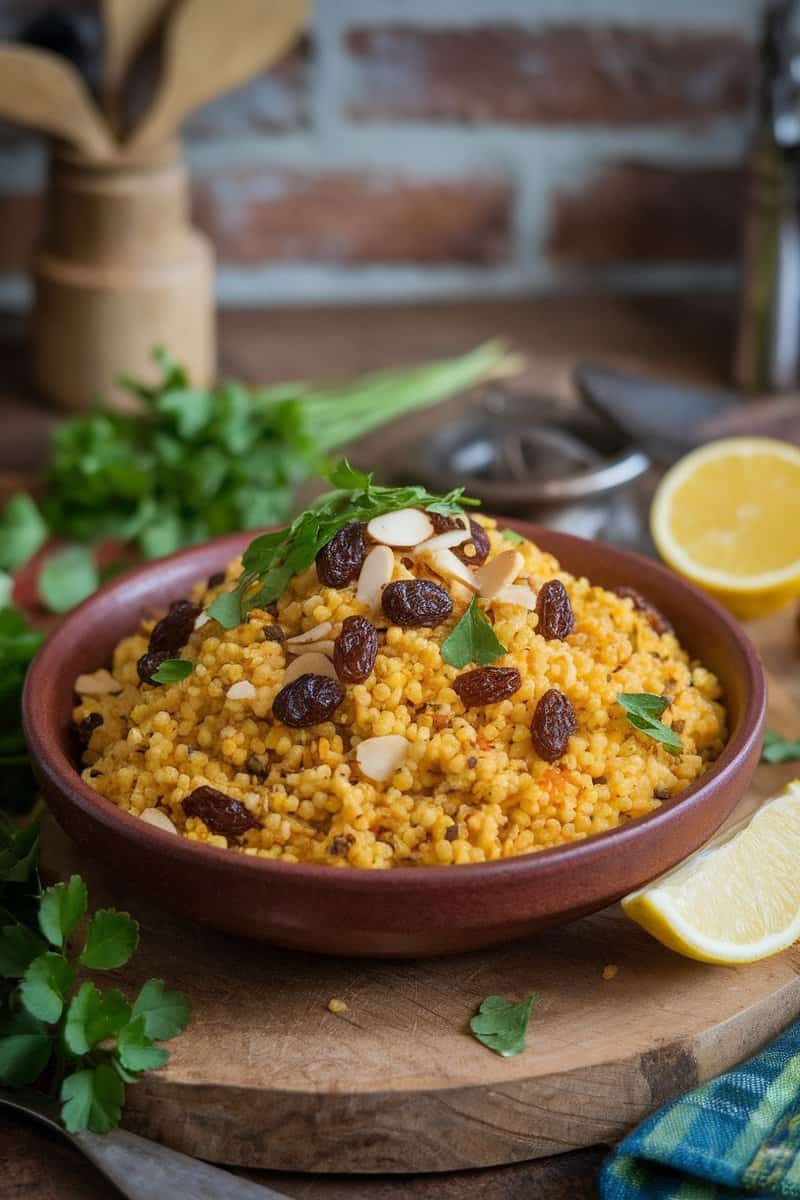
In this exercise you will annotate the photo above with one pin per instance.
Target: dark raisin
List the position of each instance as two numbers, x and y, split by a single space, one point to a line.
553 725
307 700
451 833
216 579
175 629
149 663
416 602
218 812
475 550
355 650
273 633
341 844
87 727
257 765
339 562
472 762
487 685
662 793
556 618
656 619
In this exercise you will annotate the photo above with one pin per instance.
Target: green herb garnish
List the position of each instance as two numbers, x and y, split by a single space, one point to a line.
511 535
272 559
173 670
97 1042
472 640
67 578
23 531
502 1025
643 710
18 644
778 749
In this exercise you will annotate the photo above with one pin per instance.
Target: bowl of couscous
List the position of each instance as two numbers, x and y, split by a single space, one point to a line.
398 728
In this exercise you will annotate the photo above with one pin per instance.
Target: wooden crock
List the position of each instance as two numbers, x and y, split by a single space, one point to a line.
119 271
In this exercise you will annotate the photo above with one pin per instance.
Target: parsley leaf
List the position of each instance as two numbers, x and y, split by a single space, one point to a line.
25 1049
44 986
67 578
92 1099
472 640
272 559
23 531
643 710
110 940
136 1050
60 909
511 535
165 1013
502 1025
92 1017
173 670
777 748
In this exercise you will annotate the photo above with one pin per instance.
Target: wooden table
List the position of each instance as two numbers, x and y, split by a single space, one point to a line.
685 339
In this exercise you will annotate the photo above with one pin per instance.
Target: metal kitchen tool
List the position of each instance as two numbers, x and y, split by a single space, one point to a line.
669 419
141 1169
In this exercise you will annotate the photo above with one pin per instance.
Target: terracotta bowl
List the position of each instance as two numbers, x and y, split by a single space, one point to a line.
408 911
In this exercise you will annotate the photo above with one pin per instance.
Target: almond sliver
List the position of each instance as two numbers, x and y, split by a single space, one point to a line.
442 541
380 757
376 572
312 663
445 563
517 594
323 647
243 690
159 819
311 635
498 573
403 528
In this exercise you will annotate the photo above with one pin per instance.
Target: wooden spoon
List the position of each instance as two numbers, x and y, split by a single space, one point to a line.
128 25
43 90
211 47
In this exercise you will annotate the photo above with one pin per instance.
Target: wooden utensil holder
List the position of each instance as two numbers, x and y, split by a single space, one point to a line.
119 271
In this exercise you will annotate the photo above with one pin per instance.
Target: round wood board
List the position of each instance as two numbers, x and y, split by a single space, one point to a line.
266 1076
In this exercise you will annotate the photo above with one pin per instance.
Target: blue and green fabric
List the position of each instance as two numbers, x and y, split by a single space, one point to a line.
736 1137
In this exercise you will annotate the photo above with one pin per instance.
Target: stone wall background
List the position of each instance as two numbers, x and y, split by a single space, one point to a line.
418 148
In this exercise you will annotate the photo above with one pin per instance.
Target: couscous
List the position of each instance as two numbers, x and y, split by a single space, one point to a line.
430 689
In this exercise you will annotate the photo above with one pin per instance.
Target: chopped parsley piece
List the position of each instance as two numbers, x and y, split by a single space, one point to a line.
643 711
502 1025
472 640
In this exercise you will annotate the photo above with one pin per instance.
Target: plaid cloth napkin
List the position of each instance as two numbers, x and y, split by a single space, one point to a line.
737 1136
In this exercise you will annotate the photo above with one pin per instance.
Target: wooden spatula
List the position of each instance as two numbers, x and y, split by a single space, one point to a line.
128 25
40 89
212 46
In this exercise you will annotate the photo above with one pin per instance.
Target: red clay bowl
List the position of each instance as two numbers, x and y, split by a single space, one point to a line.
408 911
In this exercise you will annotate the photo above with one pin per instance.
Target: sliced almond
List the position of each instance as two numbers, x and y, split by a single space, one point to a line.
154 816
517 594
380 757
498 573
201 619
243 690
316 634
99 683
406 527
376 572
442 541
445 563
312 663
324 647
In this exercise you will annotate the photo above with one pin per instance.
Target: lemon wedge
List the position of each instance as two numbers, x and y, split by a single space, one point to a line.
727 517
737 899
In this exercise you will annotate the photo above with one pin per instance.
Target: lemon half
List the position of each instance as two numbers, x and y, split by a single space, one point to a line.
737 899
727 517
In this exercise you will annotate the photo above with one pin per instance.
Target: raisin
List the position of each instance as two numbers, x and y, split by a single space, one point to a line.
355 650
257 765
273 633
175 629
341 844
416 602
556 618
216 579
218 812
149 663
656 619
451 833
339 562
487 685
307 700
87 727
553 725
475 550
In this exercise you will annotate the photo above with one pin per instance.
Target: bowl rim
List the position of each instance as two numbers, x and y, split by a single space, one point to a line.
40 727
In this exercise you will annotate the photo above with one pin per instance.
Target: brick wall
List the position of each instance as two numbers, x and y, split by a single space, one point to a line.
462 147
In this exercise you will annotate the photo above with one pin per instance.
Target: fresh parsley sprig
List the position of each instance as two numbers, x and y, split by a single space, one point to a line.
173 670
272 559
643 710
472 640
56 1027
502 1025
778 749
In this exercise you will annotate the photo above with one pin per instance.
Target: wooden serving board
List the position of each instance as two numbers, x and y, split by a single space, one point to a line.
266 1076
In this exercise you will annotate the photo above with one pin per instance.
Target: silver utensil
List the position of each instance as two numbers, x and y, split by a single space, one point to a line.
140 1169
